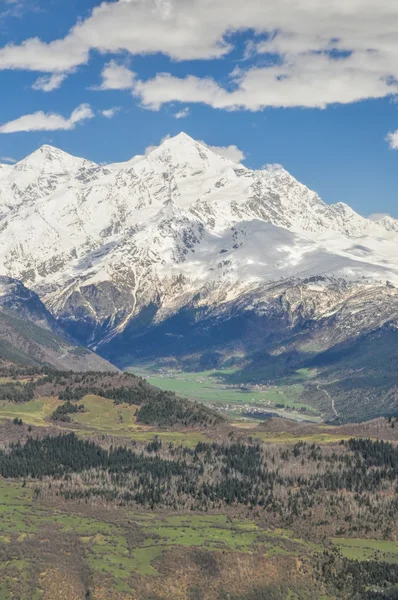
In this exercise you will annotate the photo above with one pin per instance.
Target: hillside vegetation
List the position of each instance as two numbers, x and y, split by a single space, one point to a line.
111 488
154 406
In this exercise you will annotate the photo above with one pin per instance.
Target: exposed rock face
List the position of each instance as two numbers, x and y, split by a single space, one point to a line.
120 253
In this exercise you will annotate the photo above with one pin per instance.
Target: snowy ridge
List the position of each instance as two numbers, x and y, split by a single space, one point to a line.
100 243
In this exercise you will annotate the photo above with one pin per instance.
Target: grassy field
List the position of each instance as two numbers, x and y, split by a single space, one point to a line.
101 416
211 387
105 416
114 550
34 412
364 549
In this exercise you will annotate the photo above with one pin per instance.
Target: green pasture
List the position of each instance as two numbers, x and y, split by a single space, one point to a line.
364 549
119 544
102 416
212 388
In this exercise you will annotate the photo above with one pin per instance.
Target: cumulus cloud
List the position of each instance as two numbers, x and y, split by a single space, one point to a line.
150 149
392 139
116 77
231 152
329 52
41 121
49 83
109 113
165 88
181 114
308 80
378 216
53 57
139 157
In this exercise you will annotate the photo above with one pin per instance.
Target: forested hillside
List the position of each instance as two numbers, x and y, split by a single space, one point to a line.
153 406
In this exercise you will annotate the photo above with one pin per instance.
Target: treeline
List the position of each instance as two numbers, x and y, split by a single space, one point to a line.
159 408
119 387
304 486
92 380
145 477
59 456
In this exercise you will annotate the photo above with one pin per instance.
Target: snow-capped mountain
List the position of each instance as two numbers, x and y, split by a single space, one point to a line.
112 250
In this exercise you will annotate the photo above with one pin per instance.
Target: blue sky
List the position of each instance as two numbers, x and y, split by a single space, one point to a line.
312 88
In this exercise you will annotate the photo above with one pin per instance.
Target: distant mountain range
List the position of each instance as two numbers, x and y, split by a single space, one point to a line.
182 255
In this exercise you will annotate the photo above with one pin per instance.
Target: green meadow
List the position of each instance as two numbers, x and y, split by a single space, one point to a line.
212 388
364 549
102 416
116 545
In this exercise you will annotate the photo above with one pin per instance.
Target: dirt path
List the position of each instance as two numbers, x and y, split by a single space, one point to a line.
330 398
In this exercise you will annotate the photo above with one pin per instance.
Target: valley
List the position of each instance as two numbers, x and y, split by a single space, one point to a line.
245 401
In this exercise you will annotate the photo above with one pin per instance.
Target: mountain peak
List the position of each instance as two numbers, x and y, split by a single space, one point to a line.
177 226
183 152
183 137
48 148
49 159
177 141
47 151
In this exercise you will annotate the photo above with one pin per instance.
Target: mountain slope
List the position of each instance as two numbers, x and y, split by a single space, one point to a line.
30 336
182 252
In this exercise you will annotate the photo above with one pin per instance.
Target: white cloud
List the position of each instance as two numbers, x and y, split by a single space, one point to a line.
251 49
392 139
49 83
139 157
273 167
181 114
339 51
313 80
14 8
8 159
231 152
150 149
109 113
116 77
378 216
166 88
35 55
41 121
